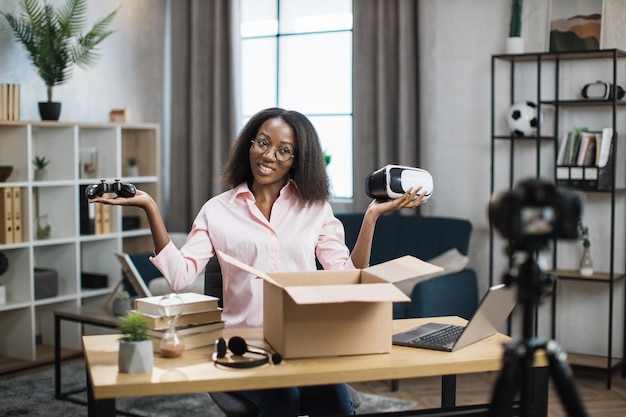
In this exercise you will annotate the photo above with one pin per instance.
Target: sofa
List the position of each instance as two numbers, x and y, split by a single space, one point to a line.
443 241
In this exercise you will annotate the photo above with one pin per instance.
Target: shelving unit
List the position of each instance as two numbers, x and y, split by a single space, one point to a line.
553 81
27 322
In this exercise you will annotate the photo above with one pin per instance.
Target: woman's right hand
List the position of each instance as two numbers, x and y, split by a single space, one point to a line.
140 199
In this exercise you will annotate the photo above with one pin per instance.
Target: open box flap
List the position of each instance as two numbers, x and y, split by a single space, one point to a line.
403 268
235 262
329 294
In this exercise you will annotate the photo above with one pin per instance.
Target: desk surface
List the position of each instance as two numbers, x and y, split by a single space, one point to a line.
195 372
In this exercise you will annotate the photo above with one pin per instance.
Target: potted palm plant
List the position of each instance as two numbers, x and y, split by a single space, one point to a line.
55 41
515 42
136 352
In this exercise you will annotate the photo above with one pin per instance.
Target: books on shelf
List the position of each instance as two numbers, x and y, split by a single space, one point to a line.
155 321
11 215
9 102
581 147
192 303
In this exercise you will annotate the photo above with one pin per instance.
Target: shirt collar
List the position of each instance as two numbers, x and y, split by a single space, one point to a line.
290 189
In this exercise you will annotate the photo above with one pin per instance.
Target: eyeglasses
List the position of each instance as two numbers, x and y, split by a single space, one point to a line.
282 153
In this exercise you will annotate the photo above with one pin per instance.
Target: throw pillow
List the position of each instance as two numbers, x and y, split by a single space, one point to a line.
451 261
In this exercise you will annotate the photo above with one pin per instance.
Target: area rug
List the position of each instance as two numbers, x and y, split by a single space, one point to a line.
33 396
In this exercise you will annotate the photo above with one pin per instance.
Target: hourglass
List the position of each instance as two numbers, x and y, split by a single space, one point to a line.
171 307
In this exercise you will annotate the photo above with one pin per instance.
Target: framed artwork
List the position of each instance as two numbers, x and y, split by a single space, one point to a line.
575 25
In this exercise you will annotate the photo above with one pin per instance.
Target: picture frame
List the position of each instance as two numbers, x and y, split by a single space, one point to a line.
575 26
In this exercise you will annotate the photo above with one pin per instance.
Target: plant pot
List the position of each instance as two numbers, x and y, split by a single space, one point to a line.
132 171
515 45
120 307
41 174
49 110
3 294
135 357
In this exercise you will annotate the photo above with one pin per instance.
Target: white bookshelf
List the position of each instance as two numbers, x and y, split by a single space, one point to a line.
27 323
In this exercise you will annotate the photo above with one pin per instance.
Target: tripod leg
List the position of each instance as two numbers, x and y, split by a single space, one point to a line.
506 385
563 380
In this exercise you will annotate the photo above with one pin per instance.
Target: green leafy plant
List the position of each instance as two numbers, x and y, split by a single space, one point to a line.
122 295
133 327
515 29
132 162
54 40
583 234
41 162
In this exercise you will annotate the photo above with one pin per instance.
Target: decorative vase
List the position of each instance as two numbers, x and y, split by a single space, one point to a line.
586 263
515 45
135 357
44 228
49 110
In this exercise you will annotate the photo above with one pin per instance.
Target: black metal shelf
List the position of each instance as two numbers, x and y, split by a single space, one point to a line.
583 178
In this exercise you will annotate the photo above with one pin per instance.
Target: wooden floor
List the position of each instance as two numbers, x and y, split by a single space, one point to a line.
477 389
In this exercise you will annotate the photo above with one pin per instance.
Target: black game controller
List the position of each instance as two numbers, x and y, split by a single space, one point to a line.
122 189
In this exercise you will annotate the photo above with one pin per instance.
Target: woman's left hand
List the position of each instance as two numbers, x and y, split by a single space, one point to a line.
410 199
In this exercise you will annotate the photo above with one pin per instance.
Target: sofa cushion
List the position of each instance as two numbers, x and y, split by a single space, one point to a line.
451 261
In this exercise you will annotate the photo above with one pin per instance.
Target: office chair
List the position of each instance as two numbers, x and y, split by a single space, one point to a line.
230 403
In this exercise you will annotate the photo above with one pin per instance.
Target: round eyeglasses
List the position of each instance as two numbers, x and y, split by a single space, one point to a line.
282 153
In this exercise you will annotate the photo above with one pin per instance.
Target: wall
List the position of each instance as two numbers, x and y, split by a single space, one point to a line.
128 74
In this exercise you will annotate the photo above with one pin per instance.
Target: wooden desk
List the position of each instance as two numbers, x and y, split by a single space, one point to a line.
195 372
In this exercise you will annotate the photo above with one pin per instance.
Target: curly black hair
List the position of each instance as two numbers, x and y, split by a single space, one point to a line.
309 168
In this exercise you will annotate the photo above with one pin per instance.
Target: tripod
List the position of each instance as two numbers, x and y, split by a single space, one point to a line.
517 366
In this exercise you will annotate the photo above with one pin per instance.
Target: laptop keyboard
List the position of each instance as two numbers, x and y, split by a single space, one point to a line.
445 337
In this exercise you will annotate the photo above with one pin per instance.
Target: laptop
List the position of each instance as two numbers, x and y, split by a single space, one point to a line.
492 311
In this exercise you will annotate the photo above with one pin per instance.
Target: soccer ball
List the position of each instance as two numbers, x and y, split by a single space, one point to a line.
522 118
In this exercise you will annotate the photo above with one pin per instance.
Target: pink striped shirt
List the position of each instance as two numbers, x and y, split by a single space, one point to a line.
232 223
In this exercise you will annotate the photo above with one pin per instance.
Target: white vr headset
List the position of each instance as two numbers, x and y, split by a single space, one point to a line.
392 181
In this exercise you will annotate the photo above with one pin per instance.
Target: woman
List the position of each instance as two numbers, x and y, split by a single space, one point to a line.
275 217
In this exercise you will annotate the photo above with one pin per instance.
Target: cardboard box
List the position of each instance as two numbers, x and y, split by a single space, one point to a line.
333 313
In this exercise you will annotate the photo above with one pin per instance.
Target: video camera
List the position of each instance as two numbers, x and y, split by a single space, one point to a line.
536 211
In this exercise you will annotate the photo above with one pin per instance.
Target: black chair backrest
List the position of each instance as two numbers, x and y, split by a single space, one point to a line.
213 280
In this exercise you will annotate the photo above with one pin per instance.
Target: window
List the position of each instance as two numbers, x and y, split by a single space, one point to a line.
297 54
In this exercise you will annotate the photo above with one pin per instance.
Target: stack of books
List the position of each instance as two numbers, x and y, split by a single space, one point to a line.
200 323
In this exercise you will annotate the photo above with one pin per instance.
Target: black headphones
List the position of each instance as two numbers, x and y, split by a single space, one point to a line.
238 346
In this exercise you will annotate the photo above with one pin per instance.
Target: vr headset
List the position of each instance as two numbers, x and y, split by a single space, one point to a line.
392 181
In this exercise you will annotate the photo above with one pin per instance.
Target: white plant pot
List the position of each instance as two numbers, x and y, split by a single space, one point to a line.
515 45
135 357
3 294
132 171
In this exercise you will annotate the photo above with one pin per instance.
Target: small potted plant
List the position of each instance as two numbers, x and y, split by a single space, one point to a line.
41 162
122 303
133 168
136 352
586 263
515 42
4 267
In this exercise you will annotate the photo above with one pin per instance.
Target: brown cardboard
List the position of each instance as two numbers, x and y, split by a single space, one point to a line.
333 313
